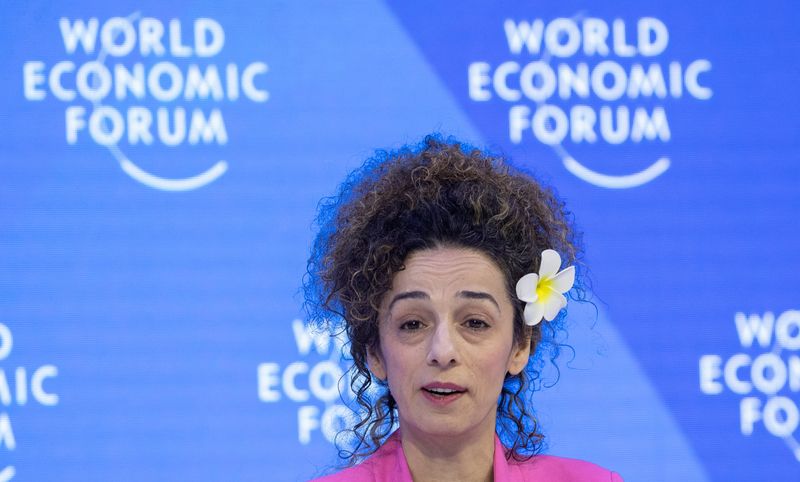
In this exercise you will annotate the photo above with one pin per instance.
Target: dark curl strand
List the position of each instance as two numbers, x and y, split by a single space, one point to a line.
438 193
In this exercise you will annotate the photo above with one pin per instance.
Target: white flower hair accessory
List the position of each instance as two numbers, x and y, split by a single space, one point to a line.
543 294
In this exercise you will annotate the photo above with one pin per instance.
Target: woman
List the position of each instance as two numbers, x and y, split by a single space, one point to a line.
442 263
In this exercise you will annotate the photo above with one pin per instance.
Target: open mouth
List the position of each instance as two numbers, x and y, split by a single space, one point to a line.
442 392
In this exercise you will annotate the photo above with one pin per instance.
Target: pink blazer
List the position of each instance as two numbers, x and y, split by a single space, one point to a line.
388 464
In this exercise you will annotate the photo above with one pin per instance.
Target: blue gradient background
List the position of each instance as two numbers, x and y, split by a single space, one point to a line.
157 307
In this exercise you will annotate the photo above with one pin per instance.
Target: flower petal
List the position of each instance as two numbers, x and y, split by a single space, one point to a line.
550 263
526 287
563 281
533 313
553 306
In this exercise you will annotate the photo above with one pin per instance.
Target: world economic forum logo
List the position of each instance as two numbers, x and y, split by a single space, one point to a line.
764 374
580 81
144 82
21 386
317 384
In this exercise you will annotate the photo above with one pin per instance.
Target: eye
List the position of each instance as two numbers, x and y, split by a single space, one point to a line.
411 325
476 324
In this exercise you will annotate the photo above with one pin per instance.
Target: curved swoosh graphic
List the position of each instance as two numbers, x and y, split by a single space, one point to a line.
184 184
134 171
593 177
616 182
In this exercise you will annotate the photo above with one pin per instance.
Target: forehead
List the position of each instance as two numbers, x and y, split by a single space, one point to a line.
446 268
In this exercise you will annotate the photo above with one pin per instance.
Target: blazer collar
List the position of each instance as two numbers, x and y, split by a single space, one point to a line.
501 469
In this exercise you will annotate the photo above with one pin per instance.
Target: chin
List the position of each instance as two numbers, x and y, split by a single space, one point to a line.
440 425
442 429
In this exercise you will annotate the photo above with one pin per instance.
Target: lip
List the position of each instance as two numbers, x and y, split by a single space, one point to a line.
444 385
442 400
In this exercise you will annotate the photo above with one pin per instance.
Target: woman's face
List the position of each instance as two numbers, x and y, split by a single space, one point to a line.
447 341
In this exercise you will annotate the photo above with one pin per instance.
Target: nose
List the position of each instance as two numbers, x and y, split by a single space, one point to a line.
442 349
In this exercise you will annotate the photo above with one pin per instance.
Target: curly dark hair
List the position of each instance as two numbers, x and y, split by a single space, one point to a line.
438 193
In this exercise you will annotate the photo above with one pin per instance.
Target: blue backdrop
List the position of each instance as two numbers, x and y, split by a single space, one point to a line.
160 165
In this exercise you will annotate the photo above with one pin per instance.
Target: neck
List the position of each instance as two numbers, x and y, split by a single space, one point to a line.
466 457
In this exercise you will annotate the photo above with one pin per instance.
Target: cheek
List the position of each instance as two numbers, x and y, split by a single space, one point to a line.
494 368
401 384
399 365
500 369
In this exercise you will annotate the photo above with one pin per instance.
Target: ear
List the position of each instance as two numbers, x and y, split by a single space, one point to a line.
519 356
376 364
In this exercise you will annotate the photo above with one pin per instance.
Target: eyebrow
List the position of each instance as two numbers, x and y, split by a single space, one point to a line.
478 295
414 295
421 295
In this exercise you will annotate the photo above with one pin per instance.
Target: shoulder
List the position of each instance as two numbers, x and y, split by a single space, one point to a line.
374 468
386 464
563 469
359 473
